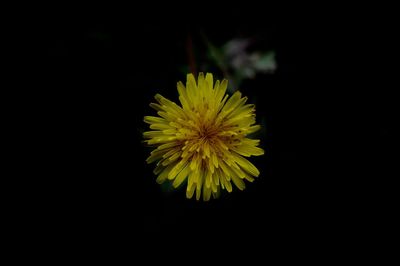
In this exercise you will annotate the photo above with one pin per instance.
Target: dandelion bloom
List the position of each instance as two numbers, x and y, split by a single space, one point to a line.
204 140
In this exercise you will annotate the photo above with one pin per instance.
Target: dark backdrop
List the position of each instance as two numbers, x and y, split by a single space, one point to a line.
103 70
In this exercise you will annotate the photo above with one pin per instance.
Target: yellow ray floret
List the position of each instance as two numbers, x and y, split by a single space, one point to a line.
203 140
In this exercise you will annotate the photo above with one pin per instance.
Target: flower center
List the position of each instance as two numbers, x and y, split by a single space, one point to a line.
207 132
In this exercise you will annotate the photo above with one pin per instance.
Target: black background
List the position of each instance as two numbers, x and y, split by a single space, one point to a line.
103 68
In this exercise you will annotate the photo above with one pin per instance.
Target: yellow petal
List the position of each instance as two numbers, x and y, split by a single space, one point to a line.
208 179
238 182
154 120
199 184
181 177
206 193
190 187
246 165
178 167
164 174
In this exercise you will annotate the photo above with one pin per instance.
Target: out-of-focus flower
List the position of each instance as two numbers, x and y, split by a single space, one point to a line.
203 141
238 63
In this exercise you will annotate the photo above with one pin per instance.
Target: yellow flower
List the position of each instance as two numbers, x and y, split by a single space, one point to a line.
204 140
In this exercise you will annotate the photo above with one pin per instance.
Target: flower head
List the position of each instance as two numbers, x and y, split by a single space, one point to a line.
204 140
